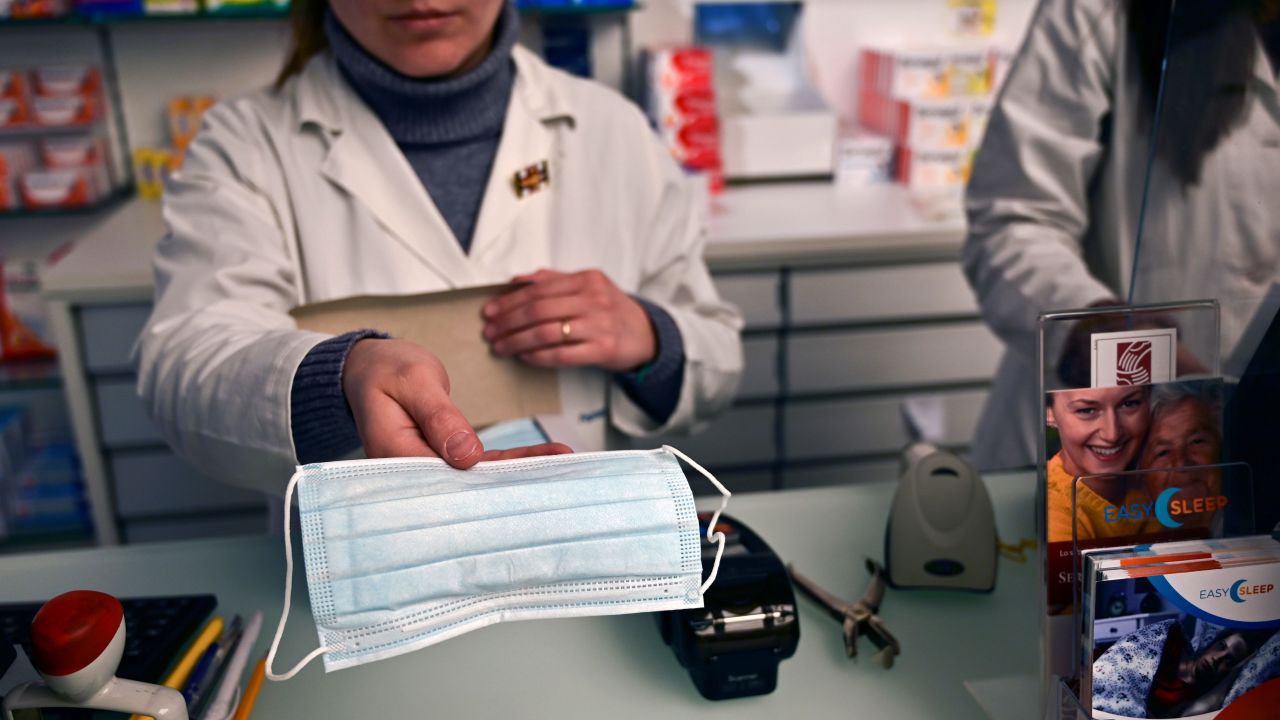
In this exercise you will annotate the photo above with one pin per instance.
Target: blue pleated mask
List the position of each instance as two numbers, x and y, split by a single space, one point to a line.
404 553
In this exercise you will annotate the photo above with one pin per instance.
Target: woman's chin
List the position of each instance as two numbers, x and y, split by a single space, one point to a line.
1093 466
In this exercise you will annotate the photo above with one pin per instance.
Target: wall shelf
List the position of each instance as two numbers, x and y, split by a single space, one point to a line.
30 375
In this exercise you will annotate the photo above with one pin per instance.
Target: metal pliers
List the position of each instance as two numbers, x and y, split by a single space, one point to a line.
859 618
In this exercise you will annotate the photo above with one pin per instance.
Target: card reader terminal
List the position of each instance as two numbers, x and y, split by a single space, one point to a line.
748 623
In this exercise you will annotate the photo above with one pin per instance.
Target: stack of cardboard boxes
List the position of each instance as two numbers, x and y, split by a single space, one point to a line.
932 105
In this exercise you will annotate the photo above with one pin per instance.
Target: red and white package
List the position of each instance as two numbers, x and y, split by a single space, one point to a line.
904 73
88 152
682 104
921 124
14 112
969 71
72 151
678 108
16 157
695 144
27 9
681 68
13 84
55 80
8 193
979 111
24 319
64 110
65 187
933 168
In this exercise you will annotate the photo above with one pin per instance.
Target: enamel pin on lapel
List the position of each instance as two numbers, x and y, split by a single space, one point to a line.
531 179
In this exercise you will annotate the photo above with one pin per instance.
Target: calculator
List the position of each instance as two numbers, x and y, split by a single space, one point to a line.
156 628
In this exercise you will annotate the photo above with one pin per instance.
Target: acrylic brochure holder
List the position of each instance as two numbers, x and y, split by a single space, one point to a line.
1201 502
1101 370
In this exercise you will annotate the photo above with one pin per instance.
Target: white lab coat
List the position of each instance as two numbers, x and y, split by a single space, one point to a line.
1041 238
302 196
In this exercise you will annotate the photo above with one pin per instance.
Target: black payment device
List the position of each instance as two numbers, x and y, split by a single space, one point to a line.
748 623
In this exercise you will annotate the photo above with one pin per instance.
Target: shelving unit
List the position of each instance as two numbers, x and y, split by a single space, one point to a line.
116 197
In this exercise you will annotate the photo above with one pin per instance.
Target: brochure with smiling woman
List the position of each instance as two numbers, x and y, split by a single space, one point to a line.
1099 435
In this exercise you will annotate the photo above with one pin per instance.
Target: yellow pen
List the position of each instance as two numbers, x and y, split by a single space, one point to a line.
178 676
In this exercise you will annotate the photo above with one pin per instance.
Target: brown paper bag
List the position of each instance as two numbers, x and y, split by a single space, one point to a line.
487 388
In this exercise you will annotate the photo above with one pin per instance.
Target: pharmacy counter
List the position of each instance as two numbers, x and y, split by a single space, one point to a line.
766 226
617 667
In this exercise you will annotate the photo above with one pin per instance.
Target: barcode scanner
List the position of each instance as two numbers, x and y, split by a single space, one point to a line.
77 641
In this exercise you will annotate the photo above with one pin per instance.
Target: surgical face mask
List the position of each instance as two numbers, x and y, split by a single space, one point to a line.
404 553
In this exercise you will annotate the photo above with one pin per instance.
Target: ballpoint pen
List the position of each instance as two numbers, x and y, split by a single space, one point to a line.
211 665
222 705
198 673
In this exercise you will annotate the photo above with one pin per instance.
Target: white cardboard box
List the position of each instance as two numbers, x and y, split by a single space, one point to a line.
778 145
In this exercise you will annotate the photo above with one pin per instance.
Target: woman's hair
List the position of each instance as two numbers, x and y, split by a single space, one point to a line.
306 26
1211 49
1167 395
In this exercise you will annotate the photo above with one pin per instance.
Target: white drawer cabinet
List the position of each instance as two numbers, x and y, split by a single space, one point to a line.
853 344
845 473
897 358
108 333
151 483
878 294
868 426
122 420
158 530
741 436
755 294
760 367
737 481
140 491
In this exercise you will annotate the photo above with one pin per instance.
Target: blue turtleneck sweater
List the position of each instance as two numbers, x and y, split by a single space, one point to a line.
449 131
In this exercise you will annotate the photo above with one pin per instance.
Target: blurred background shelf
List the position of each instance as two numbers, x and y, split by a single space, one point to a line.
30 375
106 204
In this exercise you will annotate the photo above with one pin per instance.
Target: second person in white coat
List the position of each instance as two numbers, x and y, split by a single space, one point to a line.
1056 195
384 163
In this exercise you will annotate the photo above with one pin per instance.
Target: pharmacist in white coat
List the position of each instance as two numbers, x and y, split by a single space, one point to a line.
386 163
1053 203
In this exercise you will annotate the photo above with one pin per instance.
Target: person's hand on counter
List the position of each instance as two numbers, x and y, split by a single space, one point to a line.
399 396
556 319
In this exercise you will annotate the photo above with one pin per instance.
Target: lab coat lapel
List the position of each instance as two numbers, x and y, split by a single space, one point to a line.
365 161
526 141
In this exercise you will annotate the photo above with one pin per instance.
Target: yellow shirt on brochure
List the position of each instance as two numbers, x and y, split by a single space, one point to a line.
1091 510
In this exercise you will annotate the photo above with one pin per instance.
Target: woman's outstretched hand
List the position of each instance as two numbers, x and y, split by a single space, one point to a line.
399 395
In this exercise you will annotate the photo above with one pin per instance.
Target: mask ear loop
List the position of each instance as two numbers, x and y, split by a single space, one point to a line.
715 537
288 592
